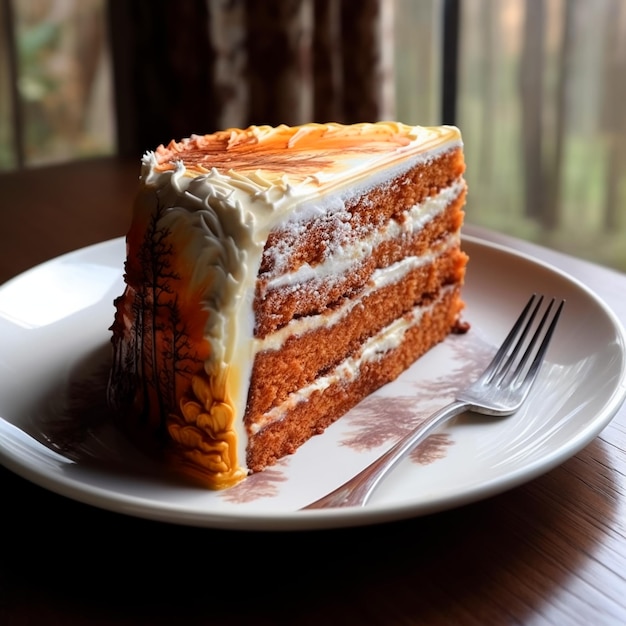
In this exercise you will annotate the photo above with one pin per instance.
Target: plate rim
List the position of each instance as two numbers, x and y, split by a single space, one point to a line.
330 518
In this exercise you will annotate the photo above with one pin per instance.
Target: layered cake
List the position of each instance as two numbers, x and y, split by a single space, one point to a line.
277 276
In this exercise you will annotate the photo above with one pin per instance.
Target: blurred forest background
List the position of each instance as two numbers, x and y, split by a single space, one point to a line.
540 102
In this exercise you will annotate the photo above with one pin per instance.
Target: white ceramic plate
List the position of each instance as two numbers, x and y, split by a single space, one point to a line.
54 351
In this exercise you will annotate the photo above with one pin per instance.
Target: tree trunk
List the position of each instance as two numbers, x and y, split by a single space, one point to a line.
490 10
531 85
550 216
613 113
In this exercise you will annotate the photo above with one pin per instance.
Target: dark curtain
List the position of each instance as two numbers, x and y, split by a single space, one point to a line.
201 65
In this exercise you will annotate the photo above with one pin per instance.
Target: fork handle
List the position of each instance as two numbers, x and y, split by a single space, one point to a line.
357 490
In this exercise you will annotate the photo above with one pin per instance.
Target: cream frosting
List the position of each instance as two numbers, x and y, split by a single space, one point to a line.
234 209
224 193
276 164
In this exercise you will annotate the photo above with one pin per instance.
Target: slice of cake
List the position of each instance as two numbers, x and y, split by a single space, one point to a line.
277 276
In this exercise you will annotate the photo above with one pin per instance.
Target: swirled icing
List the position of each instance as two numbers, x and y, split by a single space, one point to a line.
214 199
284 164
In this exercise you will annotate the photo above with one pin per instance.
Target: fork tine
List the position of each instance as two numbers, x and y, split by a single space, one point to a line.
504 370
500 357
541 351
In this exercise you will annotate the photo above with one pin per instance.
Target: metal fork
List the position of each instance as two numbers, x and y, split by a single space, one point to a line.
500 390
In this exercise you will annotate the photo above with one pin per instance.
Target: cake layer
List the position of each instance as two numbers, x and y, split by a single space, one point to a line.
354 215
310 413
275 305
336 335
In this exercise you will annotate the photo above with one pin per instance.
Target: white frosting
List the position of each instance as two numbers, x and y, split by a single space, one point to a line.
225 214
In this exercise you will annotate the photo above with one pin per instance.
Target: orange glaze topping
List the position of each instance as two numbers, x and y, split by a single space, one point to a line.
299 152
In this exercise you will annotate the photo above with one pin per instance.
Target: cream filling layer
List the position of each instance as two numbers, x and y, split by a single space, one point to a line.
380 278
341 259
389 338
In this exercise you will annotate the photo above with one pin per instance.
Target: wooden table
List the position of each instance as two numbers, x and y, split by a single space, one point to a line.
550 552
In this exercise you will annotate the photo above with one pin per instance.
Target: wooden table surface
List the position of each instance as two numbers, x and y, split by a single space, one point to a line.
550 552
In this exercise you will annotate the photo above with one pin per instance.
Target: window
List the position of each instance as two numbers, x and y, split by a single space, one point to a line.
540 103
55 82
539 92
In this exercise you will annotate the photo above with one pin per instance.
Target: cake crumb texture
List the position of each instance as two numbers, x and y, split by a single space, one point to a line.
274 278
